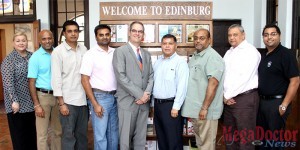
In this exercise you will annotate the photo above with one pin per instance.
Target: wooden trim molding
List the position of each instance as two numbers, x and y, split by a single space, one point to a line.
53 19
271 11
86 25
295 25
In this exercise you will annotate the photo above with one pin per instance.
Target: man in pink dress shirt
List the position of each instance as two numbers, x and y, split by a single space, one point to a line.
99 83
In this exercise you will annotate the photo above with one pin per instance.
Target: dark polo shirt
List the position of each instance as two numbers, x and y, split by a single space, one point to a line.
275 70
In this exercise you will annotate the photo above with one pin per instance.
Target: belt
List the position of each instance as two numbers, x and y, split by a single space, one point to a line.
44 90
157 100
247 92
271 97
106 92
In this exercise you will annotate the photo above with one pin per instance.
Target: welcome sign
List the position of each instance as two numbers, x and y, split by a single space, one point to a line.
155 10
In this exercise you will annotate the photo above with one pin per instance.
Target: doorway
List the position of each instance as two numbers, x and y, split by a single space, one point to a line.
220 28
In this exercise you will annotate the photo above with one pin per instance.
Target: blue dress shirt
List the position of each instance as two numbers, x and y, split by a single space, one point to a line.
171 79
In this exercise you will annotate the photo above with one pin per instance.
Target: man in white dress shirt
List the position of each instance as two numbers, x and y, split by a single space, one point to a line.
66 83
240 89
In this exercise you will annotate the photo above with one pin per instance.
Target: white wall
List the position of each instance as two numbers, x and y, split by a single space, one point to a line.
42 9
236 9
260 14
285 14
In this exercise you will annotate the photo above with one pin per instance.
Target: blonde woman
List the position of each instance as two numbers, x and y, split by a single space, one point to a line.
18 104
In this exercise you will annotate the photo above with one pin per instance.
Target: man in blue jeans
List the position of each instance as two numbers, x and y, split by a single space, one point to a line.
99 82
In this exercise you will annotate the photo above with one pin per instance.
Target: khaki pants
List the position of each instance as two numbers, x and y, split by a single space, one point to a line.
205 132
49 104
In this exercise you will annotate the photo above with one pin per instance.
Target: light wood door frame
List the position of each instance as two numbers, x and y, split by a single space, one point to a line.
2 43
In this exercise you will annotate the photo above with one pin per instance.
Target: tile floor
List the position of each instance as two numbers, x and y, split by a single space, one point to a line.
5 141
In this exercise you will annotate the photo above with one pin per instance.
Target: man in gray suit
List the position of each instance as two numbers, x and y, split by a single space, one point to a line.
134 74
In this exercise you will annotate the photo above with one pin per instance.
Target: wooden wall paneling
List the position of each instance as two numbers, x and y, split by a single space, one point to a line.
2 44
8 30
36 29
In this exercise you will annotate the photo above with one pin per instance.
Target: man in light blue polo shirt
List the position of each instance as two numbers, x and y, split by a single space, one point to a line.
45 104
204 99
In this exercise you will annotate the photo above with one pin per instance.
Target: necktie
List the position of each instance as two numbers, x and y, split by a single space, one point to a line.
139 58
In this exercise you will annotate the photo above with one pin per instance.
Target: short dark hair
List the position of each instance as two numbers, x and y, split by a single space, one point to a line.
272 25
101 26
136 22
68 23
169 36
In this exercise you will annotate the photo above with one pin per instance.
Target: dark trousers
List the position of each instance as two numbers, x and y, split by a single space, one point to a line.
74 128
238 117
168 129
22 130
268 118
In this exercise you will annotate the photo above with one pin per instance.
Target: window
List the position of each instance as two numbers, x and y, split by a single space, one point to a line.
296 23
12 11
272 11
63 10
80 20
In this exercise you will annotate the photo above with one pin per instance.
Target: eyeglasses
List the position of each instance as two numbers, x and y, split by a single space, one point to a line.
137 31
272 34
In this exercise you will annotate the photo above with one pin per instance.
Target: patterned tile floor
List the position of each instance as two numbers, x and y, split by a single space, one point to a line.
5 141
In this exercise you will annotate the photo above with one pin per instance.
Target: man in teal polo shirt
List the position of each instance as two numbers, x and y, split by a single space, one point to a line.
45 104
204 99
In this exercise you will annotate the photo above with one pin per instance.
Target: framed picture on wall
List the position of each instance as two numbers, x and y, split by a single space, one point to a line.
113 33
149 33
175 30
28 30
190 29
122 33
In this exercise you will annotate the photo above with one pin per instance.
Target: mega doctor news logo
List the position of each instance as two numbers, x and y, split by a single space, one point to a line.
260 137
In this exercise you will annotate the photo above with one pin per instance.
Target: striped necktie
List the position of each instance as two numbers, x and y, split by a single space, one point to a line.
139 58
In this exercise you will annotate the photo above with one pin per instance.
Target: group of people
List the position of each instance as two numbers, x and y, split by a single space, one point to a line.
60 87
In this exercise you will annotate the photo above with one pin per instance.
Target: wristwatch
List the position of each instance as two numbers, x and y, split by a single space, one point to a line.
282 107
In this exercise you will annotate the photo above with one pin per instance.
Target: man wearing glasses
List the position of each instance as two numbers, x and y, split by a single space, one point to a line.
134 74
278 83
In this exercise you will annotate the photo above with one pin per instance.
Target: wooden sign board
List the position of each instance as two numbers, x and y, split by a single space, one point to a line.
156 10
